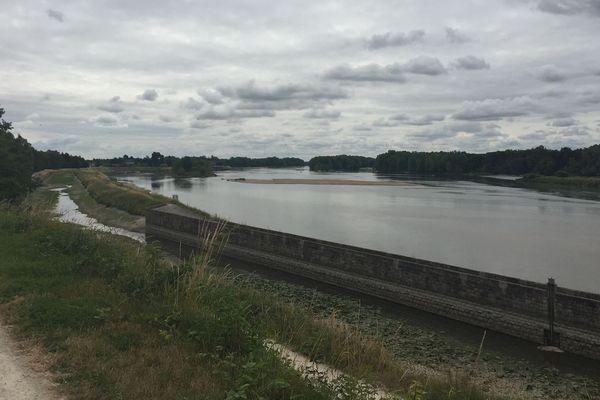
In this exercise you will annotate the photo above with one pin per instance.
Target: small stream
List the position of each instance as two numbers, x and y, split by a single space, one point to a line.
68 211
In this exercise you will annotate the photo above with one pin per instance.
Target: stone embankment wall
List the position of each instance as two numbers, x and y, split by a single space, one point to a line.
508 305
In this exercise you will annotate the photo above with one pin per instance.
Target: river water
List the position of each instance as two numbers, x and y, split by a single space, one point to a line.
510 231
68 211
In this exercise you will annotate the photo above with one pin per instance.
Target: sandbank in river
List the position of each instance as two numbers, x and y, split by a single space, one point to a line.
348 182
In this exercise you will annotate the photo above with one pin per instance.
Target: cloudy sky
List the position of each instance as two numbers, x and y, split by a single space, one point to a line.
105 78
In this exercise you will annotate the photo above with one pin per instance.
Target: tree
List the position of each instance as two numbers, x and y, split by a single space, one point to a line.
156 159
16 163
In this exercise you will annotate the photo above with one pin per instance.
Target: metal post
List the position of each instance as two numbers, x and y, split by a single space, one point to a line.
551 301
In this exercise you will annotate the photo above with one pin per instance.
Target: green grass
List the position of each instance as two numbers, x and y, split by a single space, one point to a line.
106 313
114 194
123 323
107 215
60 177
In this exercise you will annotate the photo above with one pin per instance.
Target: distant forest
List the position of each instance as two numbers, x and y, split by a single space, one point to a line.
539 160
340 163
197 166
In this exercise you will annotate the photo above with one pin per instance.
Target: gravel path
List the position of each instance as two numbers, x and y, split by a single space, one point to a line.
18 379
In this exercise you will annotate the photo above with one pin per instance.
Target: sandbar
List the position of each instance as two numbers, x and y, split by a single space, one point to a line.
349 182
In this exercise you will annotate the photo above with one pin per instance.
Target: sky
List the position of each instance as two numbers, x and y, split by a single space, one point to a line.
258 78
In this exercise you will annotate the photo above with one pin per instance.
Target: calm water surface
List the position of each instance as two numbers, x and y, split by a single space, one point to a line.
515 232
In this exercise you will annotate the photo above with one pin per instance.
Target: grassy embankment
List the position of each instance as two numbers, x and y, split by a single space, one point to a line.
122 323
104 199
111 193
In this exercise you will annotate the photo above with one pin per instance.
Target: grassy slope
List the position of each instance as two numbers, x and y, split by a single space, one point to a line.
107 215
108 315
114 194
109 311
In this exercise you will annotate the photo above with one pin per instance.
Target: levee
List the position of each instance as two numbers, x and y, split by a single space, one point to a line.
536 312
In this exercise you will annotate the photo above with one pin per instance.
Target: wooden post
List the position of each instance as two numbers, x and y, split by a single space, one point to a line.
551 314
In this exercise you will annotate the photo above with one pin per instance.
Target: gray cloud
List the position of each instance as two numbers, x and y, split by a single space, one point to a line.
590 98
105 120
385 123
148 95
452 129
551 73
370 72
251 92
199 125
166 118
427 119
471 63
287 49
230 113
322 114
249 100
390 39
55 15
535 136
562 122
424 65
455 36
211 96
362 128
575 131
403 119
113 105
570 7
493 109
192 104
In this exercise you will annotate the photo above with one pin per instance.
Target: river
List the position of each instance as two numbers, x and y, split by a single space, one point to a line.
509 231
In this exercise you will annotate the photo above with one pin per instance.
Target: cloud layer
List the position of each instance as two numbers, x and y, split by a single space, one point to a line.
299 78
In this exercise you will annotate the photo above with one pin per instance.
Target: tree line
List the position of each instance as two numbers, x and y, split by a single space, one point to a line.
539 160
341 162
198 165
18 161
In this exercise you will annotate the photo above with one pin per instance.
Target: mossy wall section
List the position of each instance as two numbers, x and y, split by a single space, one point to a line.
509 305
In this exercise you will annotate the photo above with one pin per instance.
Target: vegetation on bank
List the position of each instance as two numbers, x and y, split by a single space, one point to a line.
267 162
189 166
118 195
106 215
570 182
107 309
340 163
542 161
562 163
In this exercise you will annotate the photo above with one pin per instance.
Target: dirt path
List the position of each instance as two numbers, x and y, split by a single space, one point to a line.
19 380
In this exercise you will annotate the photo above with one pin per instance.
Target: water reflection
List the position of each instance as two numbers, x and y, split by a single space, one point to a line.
68 211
